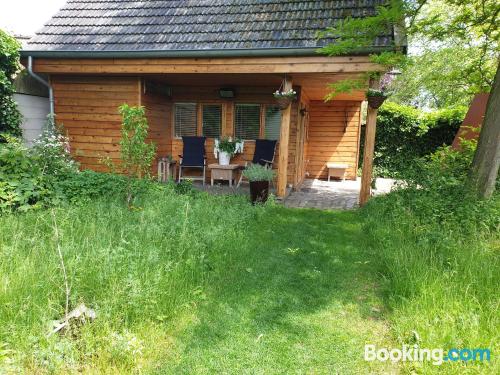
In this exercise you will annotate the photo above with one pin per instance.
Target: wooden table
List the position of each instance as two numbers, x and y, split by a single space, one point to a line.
223 172
166 168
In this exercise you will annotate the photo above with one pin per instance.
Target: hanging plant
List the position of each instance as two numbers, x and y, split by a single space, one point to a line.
284 98
375 98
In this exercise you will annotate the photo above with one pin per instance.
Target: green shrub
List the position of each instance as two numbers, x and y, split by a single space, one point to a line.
10 118
22 183
404 134
51 151
256 172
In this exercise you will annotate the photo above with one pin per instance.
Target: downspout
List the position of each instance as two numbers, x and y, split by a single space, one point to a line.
43 82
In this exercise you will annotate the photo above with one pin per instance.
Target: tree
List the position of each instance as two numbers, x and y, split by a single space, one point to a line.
137 155
484 171
469 23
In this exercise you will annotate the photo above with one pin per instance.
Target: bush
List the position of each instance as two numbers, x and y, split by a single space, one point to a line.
10 118
22 182
405 134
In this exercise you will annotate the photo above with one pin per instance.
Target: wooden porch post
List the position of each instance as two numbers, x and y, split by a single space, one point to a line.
283 143
369 149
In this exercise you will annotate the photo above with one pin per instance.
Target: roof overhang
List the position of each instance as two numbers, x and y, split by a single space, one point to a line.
265 52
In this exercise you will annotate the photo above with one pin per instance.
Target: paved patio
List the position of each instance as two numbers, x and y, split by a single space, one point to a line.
333 195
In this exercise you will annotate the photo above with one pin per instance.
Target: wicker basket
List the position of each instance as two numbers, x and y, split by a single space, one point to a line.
375 101
283 103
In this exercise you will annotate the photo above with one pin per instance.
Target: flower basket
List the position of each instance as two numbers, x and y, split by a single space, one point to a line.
283 102
375 101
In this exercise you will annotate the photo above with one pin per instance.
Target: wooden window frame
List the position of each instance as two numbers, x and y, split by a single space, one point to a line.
262 119
199 117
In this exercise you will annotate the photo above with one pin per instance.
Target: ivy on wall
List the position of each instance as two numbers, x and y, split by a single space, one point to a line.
10 118
405 133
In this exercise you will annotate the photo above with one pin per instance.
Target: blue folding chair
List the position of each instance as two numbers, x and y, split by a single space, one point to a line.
193 156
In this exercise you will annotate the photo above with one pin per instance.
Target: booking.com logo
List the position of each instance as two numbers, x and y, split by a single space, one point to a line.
416 354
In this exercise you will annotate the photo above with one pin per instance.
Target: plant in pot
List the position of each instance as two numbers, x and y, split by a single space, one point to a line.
284 98
225 148
376 98
259 178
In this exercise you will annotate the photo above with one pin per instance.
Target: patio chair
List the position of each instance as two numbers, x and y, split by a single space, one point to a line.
264 155
193 156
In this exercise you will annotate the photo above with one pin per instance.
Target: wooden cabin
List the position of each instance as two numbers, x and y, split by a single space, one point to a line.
206 68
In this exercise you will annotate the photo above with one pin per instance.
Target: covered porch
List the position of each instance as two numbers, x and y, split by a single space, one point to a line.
184 96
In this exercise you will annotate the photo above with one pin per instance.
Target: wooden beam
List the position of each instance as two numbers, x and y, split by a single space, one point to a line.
368 152
316 64
283 143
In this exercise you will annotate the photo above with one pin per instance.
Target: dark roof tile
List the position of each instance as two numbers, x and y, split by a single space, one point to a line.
107 25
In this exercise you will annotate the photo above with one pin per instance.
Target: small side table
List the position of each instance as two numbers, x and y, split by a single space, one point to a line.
166 169
223 172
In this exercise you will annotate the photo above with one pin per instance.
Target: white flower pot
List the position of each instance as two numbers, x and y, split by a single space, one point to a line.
224 158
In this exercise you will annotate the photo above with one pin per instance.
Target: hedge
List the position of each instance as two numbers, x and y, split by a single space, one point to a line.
405 133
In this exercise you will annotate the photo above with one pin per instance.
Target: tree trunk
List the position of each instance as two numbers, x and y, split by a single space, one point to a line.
484 169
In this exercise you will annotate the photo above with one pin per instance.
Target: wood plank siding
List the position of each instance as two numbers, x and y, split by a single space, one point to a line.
333 136
87 107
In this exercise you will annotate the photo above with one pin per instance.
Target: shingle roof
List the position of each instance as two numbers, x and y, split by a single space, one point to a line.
187 25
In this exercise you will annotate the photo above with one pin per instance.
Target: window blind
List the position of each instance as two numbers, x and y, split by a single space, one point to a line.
185 119
273 123
212 120
247 121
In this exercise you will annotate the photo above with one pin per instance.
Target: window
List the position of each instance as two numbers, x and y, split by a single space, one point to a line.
185 119
212 120
273 122
247 121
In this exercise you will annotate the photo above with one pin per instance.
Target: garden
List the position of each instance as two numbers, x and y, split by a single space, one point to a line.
119 273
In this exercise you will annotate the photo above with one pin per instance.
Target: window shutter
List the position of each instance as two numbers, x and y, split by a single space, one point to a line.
247 121
212 120
273 123
185 119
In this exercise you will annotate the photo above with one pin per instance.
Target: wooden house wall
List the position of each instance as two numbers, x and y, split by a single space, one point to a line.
87 107
333 136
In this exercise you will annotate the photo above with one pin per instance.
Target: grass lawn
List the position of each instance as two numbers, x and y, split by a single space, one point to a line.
213 285
190 286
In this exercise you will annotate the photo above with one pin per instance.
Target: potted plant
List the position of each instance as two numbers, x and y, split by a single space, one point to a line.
226 148
259 178
284 98
376 98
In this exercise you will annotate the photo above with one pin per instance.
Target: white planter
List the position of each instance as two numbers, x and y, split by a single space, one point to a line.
224 158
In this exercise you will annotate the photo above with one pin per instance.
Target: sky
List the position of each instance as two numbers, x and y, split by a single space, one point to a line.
24 17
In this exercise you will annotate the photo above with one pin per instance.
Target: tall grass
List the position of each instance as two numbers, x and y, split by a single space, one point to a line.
134 267
439 256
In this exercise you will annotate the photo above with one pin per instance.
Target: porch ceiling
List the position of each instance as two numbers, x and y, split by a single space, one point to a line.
313 85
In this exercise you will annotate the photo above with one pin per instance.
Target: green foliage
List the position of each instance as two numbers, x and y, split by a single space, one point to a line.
436 247
226 144
345 86
183 187
257 172
444 76
22 184
405 134
10 118
137 155
51 150
455 48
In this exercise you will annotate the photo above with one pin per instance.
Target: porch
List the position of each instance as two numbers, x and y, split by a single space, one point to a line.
185 97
